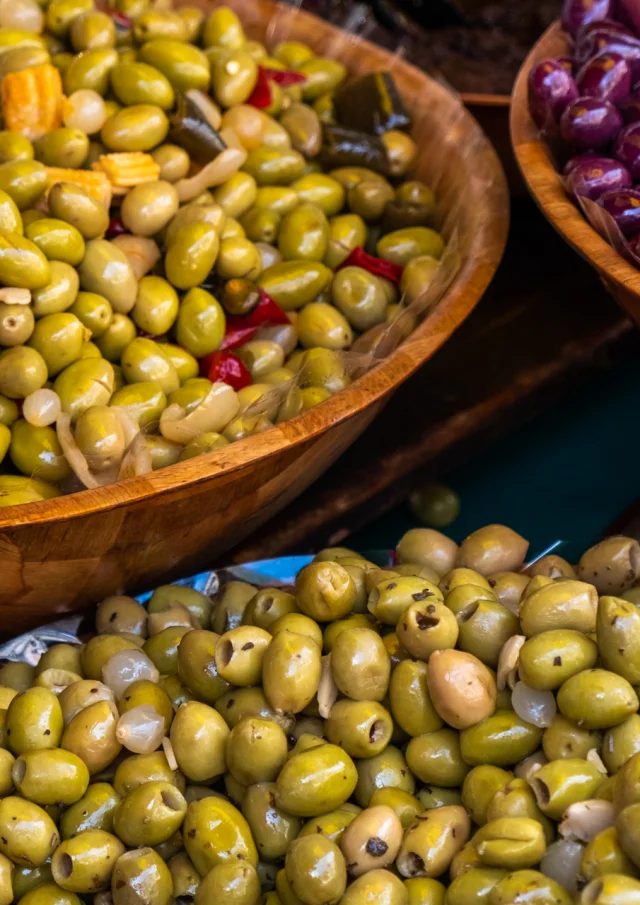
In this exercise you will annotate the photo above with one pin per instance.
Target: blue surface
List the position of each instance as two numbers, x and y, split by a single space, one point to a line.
564 476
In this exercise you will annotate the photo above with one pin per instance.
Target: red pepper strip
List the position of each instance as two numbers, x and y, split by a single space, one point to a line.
115 228
261 95
227 368
120 19
284 77
387 269
236 336
266 312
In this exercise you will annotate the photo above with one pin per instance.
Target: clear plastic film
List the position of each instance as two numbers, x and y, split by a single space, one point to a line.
436 126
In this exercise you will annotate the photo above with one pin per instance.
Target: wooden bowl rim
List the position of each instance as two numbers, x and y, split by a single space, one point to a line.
485 254
500 101
544 183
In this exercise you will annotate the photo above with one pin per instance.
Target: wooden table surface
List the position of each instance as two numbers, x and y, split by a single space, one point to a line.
545 326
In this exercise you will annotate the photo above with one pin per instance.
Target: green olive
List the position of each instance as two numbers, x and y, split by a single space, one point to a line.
538 889
50 776
173 161
90 70
28 836
83 384
150 814
92 30
197 666
291 671
564 738
201 322
304 233
559 605
137 128
273 829
34 720
274 166
14 146
316 781
106 270
72 204
548 659
159 24
16 324
63 147
431 842
222 28
191 255
156 306
10 219
293 284
145 401
183 65
93 811
597 699
322 76
91 734
215 832
502 739
410 700
145 361
141 876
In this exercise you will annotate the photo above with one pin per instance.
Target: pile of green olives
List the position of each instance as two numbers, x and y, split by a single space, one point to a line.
210 301
458 728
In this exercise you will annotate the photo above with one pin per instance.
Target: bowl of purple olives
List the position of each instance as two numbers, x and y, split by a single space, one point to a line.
575 129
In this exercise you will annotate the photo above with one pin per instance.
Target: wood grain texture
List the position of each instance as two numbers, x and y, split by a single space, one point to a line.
620 277
61 554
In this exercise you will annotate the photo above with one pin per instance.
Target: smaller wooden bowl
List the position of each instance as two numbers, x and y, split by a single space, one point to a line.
620 277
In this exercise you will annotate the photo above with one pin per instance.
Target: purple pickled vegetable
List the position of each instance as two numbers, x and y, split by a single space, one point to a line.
589 123
606 77
567 63
578 13
629 12
578 160
624 207
626 149
551 89
597 175
626 46
630 107
611 26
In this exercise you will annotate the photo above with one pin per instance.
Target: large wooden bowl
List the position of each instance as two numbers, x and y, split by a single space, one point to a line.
620 277
64 553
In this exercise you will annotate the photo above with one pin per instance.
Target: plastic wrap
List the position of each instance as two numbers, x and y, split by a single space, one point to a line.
369 348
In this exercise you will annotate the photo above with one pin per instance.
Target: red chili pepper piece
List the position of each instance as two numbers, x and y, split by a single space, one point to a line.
116 228
261 96
226 368
120 19
237 336
284 77
266 312
358 257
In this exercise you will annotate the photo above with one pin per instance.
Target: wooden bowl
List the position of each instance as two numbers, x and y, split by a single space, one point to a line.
61 554
620 277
